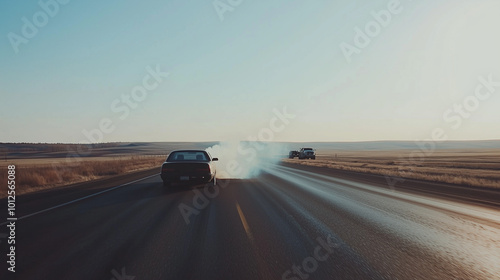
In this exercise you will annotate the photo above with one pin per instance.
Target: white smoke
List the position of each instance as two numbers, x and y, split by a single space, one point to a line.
244 159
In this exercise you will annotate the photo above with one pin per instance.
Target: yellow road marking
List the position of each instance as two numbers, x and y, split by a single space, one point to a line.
244 221
264 270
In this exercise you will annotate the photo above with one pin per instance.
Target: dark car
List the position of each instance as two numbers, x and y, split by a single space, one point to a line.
188 166
306 153
293 154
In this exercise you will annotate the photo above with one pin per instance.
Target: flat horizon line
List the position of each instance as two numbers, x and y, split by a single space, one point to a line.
229 141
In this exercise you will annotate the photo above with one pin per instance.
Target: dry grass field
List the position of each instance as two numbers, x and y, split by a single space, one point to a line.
477 167
43 173
43 166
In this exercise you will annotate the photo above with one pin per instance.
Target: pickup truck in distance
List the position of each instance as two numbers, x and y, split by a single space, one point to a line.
306 153
188 166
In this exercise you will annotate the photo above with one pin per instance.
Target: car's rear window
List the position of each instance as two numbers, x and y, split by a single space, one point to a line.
187 156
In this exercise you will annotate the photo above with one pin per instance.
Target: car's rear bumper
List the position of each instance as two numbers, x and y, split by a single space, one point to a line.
187 178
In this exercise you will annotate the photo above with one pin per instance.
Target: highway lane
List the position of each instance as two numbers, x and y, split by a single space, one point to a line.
288 223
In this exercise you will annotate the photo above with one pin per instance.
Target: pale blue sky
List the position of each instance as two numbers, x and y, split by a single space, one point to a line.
227 76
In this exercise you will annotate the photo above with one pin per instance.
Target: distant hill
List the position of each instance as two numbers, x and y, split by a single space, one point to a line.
32 150
44 150
397 145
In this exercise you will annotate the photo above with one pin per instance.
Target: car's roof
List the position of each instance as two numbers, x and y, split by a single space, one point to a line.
172 153
188 151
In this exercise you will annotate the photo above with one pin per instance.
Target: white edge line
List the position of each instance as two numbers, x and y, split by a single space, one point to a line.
79 199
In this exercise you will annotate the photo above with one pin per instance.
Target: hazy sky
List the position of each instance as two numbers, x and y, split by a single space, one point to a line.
344 70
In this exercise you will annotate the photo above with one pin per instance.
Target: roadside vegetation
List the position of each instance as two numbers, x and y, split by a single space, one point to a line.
478 168
34 175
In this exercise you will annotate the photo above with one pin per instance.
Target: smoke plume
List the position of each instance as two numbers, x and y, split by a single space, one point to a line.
245 159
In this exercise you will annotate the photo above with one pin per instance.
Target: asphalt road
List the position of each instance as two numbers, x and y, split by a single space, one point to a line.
291 222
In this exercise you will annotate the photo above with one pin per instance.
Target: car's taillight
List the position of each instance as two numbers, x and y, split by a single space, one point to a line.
203 169
167 169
